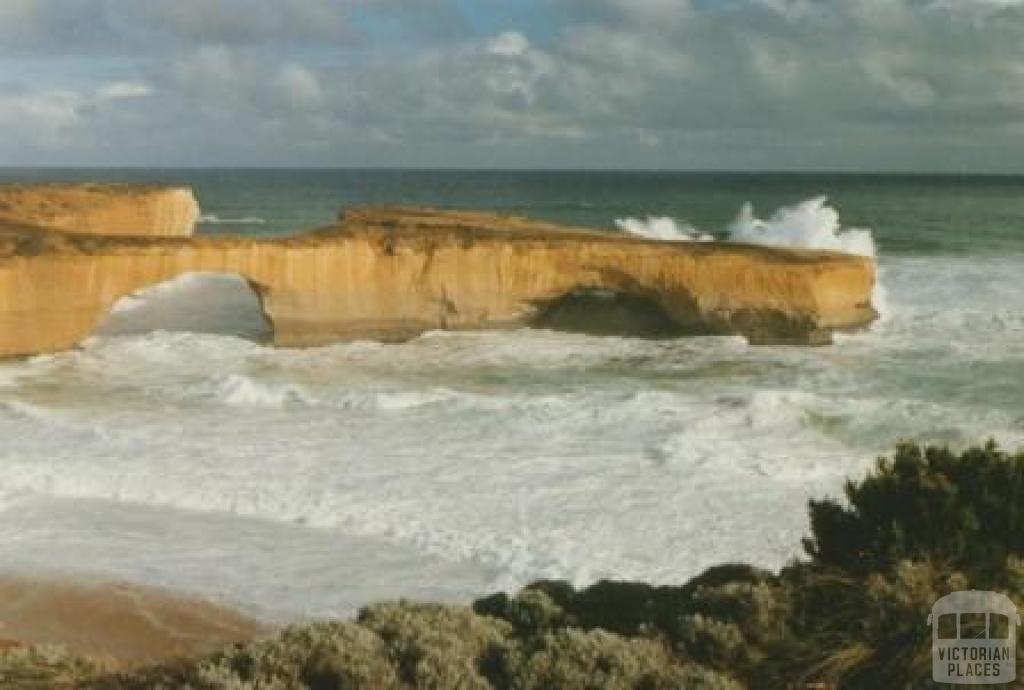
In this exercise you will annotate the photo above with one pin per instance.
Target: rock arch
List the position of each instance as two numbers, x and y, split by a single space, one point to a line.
601 311
196 302
390 274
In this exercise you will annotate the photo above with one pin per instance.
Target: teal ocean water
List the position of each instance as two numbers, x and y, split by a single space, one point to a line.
175 448
909 215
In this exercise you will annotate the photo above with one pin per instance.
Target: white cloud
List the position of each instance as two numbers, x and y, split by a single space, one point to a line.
124 90
775 66
300 86
51 118
509 44
42 115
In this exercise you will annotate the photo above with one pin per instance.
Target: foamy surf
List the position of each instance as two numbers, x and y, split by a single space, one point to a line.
662 228
175 448
498 453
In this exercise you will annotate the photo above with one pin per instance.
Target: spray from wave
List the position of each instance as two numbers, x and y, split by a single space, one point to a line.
811 224
667 229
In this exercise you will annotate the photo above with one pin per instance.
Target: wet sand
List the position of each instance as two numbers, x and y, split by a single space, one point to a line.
120 623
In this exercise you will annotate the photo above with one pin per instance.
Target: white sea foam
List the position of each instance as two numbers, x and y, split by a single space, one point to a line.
212 219
244 391
505 456
664 228
811 224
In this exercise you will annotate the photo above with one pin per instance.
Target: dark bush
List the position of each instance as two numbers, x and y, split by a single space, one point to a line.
963 511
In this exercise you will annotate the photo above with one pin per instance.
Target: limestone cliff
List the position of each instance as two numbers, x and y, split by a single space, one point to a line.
101 209
391 274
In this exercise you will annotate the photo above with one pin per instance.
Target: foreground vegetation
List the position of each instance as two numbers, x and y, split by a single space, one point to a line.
852 615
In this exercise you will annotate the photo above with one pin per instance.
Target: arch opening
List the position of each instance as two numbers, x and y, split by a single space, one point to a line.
592 311
198 302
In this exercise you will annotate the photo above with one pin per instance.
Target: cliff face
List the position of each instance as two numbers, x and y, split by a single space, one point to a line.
102 209
390 274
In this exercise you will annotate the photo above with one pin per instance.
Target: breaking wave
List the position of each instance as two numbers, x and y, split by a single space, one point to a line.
811 224
662 228
240 390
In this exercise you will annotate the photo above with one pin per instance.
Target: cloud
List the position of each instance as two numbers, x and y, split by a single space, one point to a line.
43 115
511 44
52 119
300 86
649 83
123 90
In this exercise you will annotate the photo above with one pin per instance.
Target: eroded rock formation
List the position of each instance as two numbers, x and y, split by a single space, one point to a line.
102 209
390 274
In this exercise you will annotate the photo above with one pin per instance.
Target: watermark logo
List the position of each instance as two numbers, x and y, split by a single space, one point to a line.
974 638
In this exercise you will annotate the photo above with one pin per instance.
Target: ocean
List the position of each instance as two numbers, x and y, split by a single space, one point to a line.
175 448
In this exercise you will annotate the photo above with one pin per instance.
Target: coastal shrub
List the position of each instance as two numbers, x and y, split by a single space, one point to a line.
627 608
43 668
965 511
435 647
405 646
856 633
716 619
599 660
317 656
532 611
355 660
923 524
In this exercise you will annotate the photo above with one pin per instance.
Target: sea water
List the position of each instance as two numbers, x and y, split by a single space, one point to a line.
175 448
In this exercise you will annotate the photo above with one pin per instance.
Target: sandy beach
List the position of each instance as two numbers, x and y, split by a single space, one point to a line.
118 623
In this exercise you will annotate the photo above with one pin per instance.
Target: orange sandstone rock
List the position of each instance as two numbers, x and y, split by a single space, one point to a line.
390 274
102 209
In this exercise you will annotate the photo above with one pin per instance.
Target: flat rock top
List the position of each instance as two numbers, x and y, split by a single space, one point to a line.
410 223
102 209
16 198
108 189
426 219
414 226
123 623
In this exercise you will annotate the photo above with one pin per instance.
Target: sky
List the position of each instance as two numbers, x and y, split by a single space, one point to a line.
861 85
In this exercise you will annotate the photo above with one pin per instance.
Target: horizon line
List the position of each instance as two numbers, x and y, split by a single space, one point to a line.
516 169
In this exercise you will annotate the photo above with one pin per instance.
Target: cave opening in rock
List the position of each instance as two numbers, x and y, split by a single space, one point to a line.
210 303
608 313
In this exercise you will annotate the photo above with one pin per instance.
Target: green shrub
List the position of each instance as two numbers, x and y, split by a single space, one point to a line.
963 511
